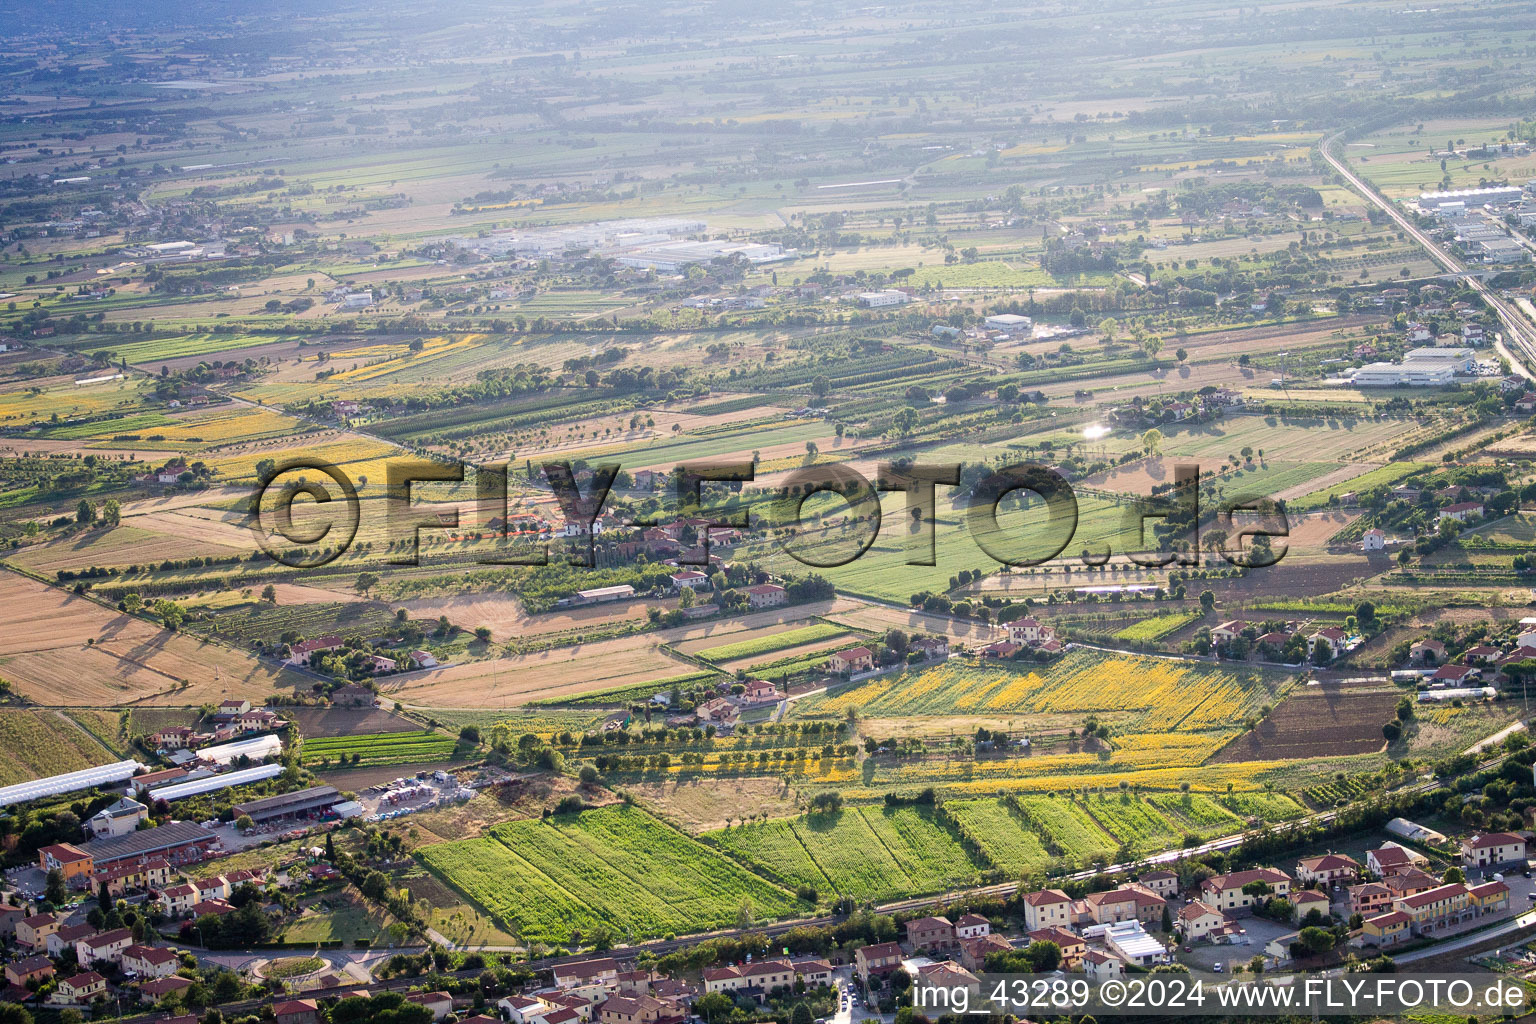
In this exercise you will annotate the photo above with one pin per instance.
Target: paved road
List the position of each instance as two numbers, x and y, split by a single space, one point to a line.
1518 331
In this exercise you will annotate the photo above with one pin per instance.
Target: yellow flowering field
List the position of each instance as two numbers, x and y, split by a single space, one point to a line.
432 348
1160 695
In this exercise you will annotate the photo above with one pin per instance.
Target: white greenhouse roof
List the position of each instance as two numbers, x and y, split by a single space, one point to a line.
255 748
217 782
68 782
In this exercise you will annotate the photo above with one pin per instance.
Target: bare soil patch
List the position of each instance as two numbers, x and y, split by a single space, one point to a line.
1318 721
699 805
347 721
47 654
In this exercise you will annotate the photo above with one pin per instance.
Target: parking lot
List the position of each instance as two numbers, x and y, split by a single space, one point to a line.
1257 931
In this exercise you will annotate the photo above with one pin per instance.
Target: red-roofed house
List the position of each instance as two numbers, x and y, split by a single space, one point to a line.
1381 930
150 961
875 960
302 652
1071 944
1327 868
930 933
1198 919
296 1011
854 659
1390 859
1130 902
1493 849
972 926
79 990
1225 892
32 932
74 863
766 595
1048 908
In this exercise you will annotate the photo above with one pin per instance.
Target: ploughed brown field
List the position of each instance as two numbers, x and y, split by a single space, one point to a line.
1318 721
347 721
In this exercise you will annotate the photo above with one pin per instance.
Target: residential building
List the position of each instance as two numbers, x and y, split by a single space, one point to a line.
689 579
1493 849
585 972
215 888
974 952
635 1010
1330 867
930 933
1373 540
80 989
66 937
118 819
972 926
297 1011
854 659
103 946
1072 945
1382 930
305 651
32 968
74 863
32 932
1048 908
1489 898
1304 901
876 960
815 973
1130 902
150 961
1163 883
158 988
1198 919
1370 898
439 1003
1438 911
1334 637
766 595
1461 511
1225 892
177 900
1407 883
1100 966
1025 631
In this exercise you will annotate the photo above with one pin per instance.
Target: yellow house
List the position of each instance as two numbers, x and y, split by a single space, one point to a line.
1385 929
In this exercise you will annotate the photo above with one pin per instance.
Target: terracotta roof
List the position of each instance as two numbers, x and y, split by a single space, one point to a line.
295 1006
1047 897
1238 879
1425 898
1060 936
1196 909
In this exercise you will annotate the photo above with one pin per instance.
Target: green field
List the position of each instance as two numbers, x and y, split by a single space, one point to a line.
40 743
1007 842
865 853
1068 827
1156 627
381 748
549 879
621 696
776 642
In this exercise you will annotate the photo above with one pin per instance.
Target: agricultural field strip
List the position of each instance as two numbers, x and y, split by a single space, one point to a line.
777 642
